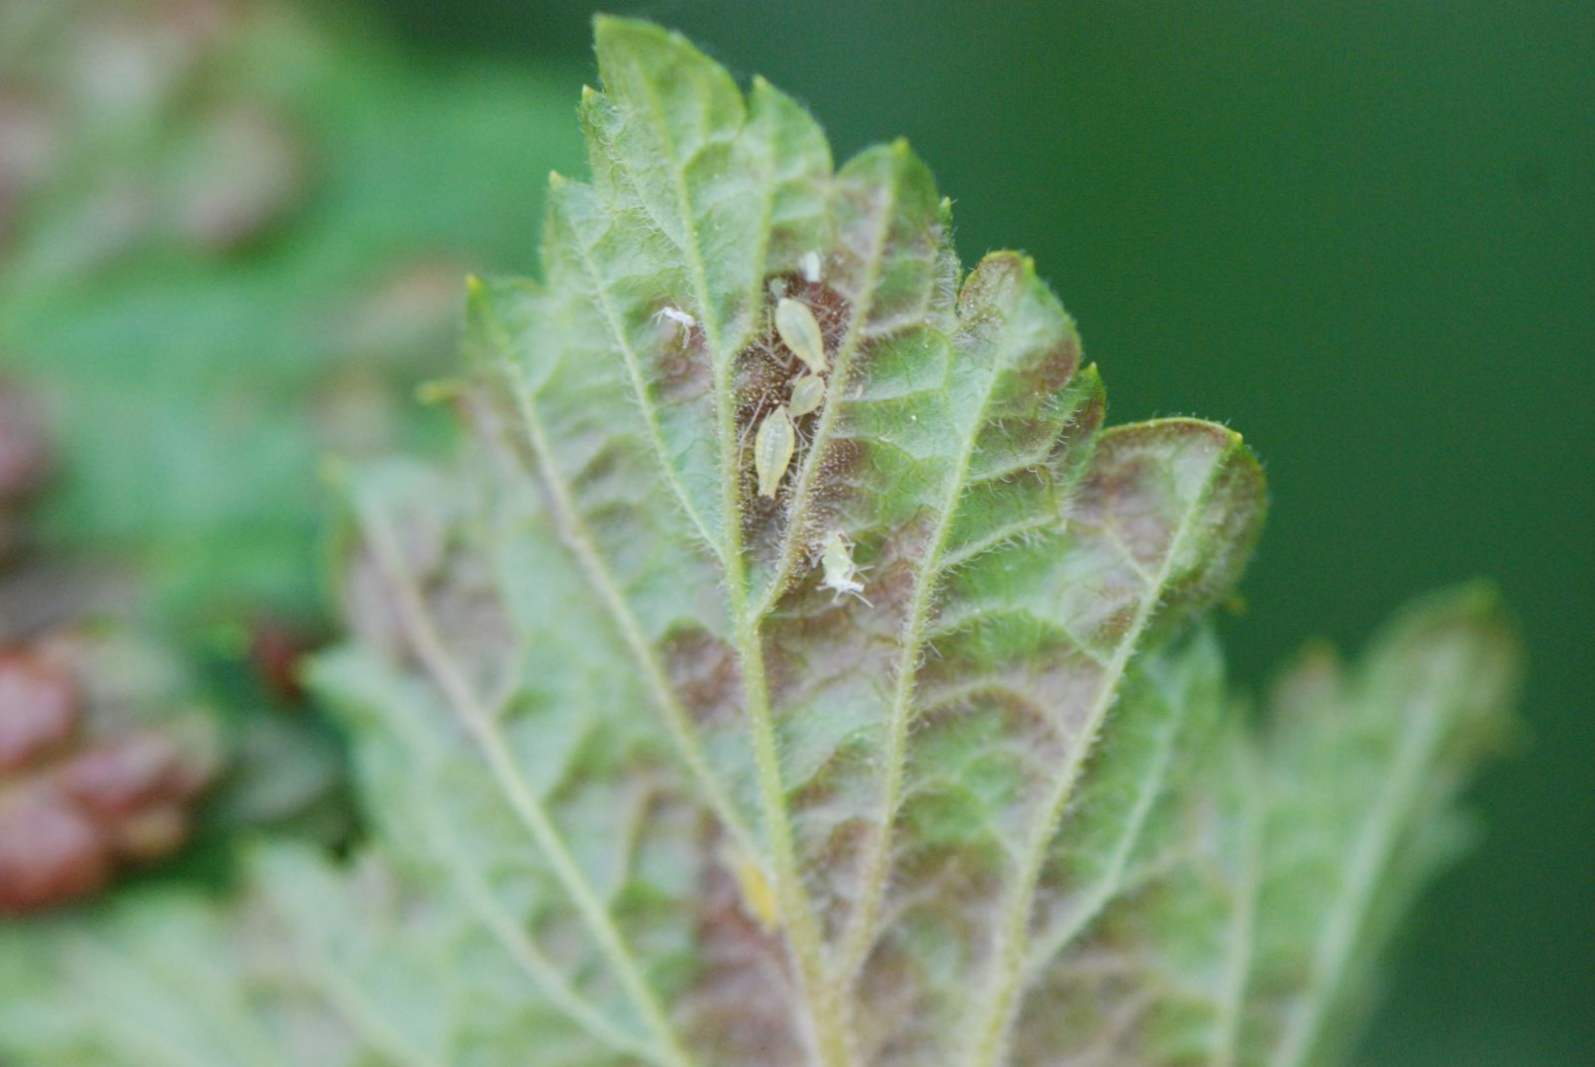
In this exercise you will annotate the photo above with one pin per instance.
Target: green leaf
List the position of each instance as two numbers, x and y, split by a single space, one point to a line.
926 759
1010 575
1362 771
1267 883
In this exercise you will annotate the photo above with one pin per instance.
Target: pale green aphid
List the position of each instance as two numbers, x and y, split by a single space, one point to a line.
836 561
772 449
808 393
800 331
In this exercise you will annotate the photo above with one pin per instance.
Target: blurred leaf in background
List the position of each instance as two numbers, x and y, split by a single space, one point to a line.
233 241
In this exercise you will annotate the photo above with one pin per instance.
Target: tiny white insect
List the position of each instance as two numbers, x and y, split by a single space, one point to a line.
675 315
841 575
800 331
811 266
808 393
773 446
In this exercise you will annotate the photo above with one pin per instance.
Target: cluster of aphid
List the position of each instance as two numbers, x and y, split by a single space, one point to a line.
775 442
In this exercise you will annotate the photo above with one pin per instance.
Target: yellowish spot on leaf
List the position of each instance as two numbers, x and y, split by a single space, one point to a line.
800 331
758 896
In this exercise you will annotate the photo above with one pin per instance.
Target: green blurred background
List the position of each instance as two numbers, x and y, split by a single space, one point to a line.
1363 234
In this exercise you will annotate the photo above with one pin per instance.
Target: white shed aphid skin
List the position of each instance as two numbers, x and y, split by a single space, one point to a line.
840 573
676 316
810 265
773 446
800 331
808 393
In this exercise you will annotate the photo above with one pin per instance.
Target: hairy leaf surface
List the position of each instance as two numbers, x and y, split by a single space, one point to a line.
924 758
1266 882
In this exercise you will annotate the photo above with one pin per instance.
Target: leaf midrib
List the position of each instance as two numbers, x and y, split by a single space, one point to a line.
841 372
580 542
801 925
521 948
522 799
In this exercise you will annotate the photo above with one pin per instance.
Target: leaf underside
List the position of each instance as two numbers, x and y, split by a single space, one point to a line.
650 785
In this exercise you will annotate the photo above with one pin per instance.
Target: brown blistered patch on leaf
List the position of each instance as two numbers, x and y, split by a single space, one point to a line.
682 361
703 671
739 1008
411 555
1179 500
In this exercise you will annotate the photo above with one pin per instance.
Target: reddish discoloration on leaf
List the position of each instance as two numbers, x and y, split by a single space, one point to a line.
685 375
703 670
740 1005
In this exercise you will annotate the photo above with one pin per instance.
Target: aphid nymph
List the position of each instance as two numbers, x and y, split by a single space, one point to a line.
677 316
808 393
836 561
773 446
810 263
800 332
